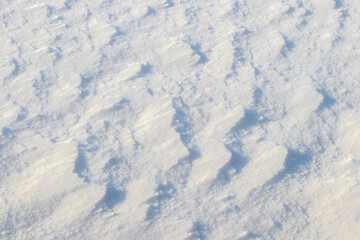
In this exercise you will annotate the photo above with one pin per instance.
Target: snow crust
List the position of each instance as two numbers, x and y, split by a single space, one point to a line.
172 119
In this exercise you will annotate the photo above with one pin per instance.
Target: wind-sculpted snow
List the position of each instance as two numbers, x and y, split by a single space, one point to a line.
169 119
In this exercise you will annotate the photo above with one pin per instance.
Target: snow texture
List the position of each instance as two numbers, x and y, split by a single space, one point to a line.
171 119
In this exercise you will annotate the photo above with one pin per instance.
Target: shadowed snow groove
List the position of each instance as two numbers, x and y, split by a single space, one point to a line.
180 172
116 36
327 102
294 161
198 231
237 161
181 121
145 69
240 55
16 71
81 167
163 192
288 47
112 197
84 86
251 118
197 50
115 184
169 3
338 4
70 3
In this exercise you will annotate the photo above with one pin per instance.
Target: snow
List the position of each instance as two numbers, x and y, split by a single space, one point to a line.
170 119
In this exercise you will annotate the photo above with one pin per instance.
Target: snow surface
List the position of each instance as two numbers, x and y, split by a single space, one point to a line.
180 119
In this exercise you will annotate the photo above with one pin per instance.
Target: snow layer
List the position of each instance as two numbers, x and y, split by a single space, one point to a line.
178 119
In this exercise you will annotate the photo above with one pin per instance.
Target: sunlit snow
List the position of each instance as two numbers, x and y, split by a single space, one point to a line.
180 119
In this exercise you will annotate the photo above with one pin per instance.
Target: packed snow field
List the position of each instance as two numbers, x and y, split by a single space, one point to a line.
180 119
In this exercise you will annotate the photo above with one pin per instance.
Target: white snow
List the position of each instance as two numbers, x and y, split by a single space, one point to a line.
170 119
